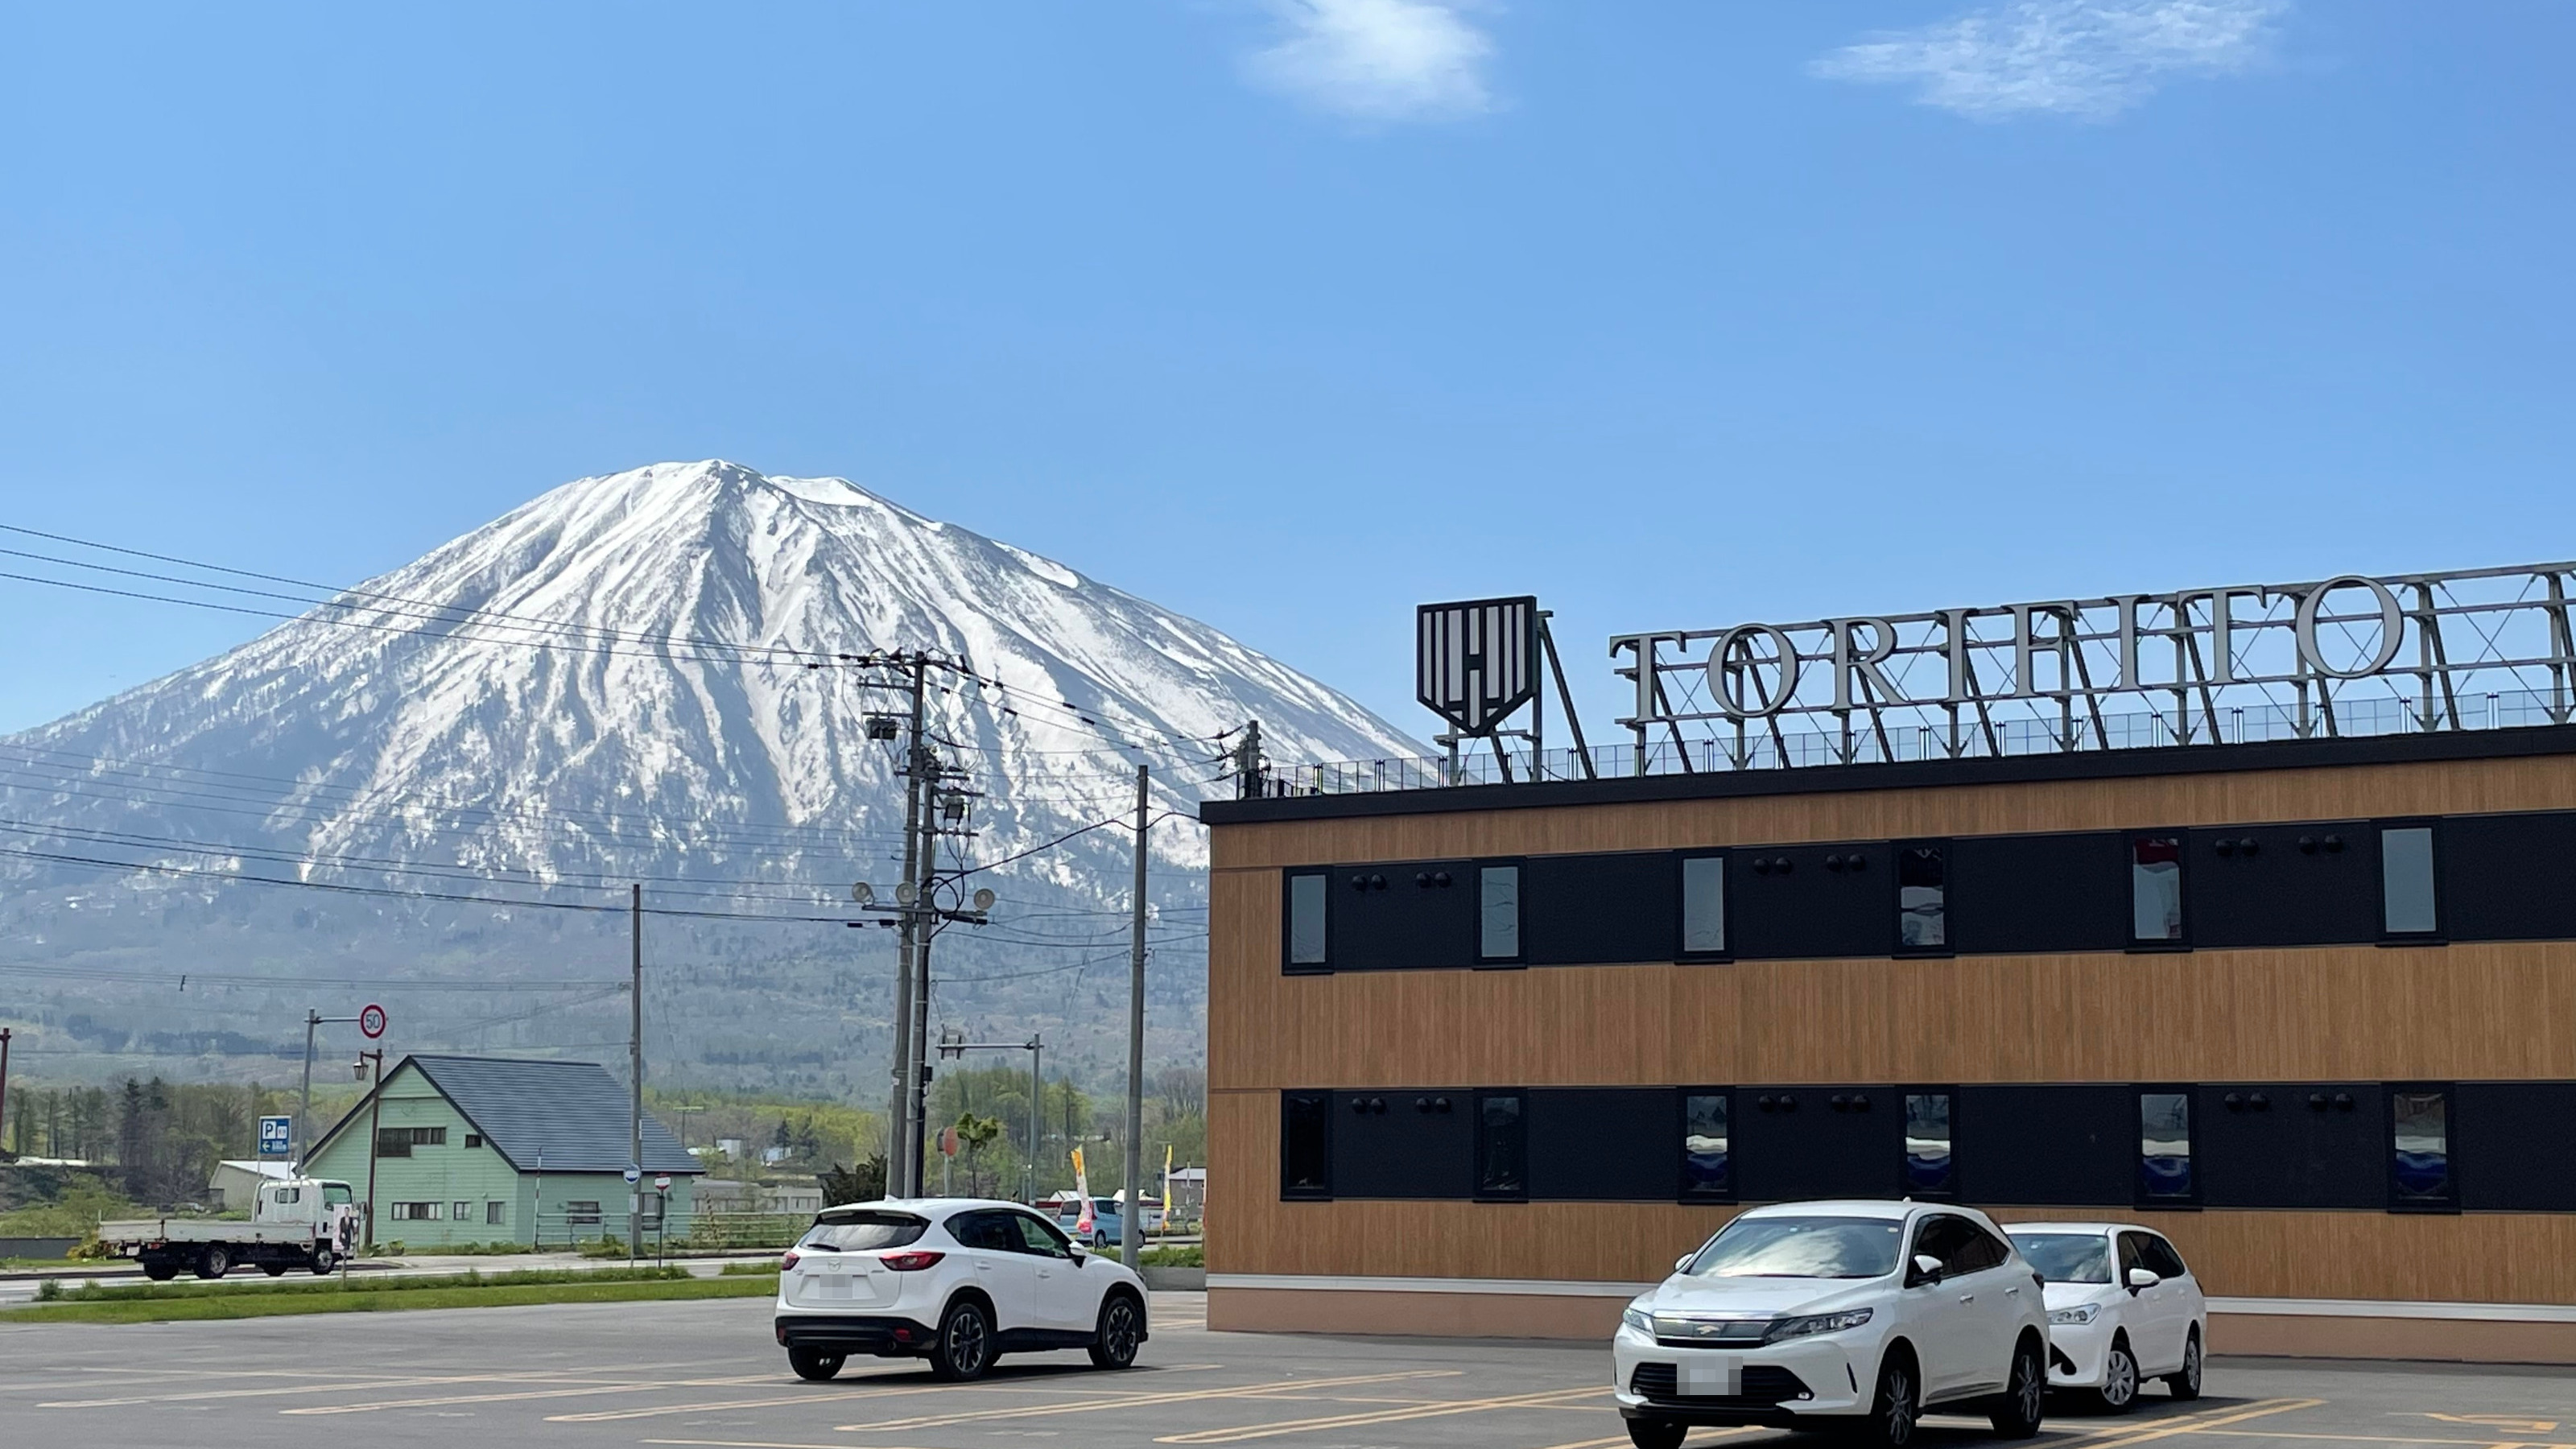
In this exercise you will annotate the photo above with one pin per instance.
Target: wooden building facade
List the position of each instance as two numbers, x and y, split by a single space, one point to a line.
1484 1060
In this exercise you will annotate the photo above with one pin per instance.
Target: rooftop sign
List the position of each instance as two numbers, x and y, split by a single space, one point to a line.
2445 651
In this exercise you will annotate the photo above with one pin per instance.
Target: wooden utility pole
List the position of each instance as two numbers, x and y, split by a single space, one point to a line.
1131 1223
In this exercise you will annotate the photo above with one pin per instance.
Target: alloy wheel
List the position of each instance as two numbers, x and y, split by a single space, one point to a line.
967 1343
2119 1378
1897 1427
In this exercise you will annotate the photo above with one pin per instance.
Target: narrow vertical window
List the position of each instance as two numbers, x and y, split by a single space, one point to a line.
1502 1146
2155 888
2406 881
1929 1169
1707 1170
2420 1163
1498 918
2164 1148
1922 899
1704 905
1306 897
1305 1145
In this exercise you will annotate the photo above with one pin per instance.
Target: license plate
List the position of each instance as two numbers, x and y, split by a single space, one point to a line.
1711 1376
833 1285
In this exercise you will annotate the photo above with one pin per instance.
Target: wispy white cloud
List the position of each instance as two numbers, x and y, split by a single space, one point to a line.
1379 60
2087 58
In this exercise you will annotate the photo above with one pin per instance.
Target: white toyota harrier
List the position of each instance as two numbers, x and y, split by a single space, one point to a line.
2122 1307
1851 1315
958 1281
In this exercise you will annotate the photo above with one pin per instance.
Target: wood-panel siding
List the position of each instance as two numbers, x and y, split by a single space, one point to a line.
2475 1257
2344 792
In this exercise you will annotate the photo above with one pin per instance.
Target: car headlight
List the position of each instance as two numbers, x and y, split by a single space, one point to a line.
1637 1318
1816 1323
2080 1313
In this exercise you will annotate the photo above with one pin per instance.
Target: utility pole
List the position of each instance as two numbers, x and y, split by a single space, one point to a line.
304 1104
4 1080
635 1060
1131 1222
375 1130
903 1155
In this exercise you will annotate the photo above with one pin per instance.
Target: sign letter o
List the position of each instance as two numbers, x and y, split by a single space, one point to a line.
2392 627
1721 686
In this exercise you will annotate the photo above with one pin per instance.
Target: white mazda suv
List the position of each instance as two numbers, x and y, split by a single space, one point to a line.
1837 1315
959 1281
2122 1308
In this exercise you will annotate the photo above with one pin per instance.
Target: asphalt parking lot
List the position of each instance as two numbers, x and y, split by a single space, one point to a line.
707 1375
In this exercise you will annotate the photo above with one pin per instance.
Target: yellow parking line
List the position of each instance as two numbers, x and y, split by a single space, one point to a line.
604 1416
2262 1409
744 1444
1622 1441
323 1386
630 1387
1433 1409
1084 1406
2389 1439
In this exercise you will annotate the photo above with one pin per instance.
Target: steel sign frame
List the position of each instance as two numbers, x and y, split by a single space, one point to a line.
2200 659
1477 660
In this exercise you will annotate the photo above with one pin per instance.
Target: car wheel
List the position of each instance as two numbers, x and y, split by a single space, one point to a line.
1122 1327
2185 1381
813 1364
214 1262
1893 1408
964 1348
2017 1414
1656 1434
324 1261
2119 1389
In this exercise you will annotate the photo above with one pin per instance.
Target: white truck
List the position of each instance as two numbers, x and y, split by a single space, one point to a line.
299 1222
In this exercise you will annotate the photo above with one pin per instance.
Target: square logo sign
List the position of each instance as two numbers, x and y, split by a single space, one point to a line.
276 1136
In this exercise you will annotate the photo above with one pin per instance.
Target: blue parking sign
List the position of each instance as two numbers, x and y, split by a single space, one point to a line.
276 1136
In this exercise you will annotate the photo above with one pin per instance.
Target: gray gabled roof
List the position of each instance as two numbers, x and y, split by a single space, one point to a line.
549 1116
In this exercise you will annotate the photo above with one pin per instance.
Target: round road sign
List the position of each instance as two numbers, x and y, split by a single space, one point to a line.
662 1183
633 1176
371 1020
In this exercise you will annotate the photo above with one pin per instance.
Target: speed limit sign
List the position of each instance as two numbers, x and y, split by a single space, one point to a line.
371 1020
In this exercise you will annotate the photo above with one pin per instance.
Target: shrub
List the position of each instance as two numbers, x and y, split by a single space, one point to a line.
49 1290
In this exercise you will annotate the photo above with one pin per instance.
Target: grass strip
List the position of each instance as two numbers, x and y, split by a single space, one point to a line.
366 1283
384 1298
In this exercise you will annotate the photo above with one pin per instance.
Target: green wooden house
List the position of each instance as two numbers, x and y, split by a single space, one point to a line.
495 1149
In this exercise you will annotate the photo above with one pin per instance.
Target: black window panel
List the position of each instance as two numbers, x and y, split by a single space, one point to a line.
2277 894
1411 921
2039 893
1602 1144
2508 877
1502 1145
1400 1143
2423 1142
1804 1146
1922 925
2049 1145
2519 1145
1305 907
2290 1145
2168 1169
1707 1144
1305 1145
1591 909
1931 1166
1810 909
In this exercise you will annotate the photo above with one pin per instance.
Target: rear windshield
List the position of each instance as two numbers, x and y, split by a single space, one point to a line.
2067 1257
862 1232
1801 1248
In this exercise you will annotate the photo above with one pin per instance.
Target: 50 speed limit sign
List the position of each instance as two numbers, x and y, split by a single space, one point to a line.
371 1020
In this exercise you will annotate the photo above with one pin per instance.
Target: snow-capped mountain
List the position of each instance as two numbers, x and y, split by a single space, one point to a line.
636 677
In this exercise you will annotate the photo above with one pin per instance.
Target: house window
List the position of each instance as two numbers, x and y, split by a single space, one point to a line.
1502 1145
1704 905
1306 1145
1498 913
1306 899
1922 899
496 1213
399 1141
2406 881
415 1212
464 1212
473 1139
1930 1170
1707 1171
2164 1147
2155 889
2420 1159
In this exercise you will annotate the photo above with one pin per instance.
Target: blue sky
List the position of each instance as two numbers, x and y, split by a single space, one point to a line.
1293 313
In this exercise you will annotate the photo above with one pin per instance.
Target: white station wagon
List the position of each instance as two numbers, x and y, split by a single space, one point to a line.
2122 1308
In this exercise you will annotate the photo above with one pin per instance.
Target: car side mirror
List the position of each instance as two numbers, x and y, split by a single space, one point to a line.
1079 1251
1682 1263
2142 1278
1927 1269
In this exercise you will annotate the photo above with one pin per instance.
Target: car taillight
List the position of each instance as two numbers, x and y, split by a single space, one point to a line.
910 1262
787 1262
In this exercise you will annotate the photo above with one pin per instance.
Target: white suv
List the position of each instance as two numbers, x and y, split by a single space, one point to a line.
958 1281
2122 1307
1854 1315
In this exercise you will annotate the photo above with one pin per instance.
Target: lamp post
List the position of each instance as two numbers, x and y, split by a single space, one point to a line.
953 1045
375 1117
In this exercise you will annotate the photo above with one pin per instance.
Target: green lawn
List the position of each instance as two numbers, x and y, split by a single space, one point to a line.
172 1302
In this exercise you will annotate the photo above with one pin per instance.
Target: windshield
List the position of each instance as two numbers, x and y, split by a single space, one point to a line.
2067 1257
863 1232
1801 1248
336 1194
